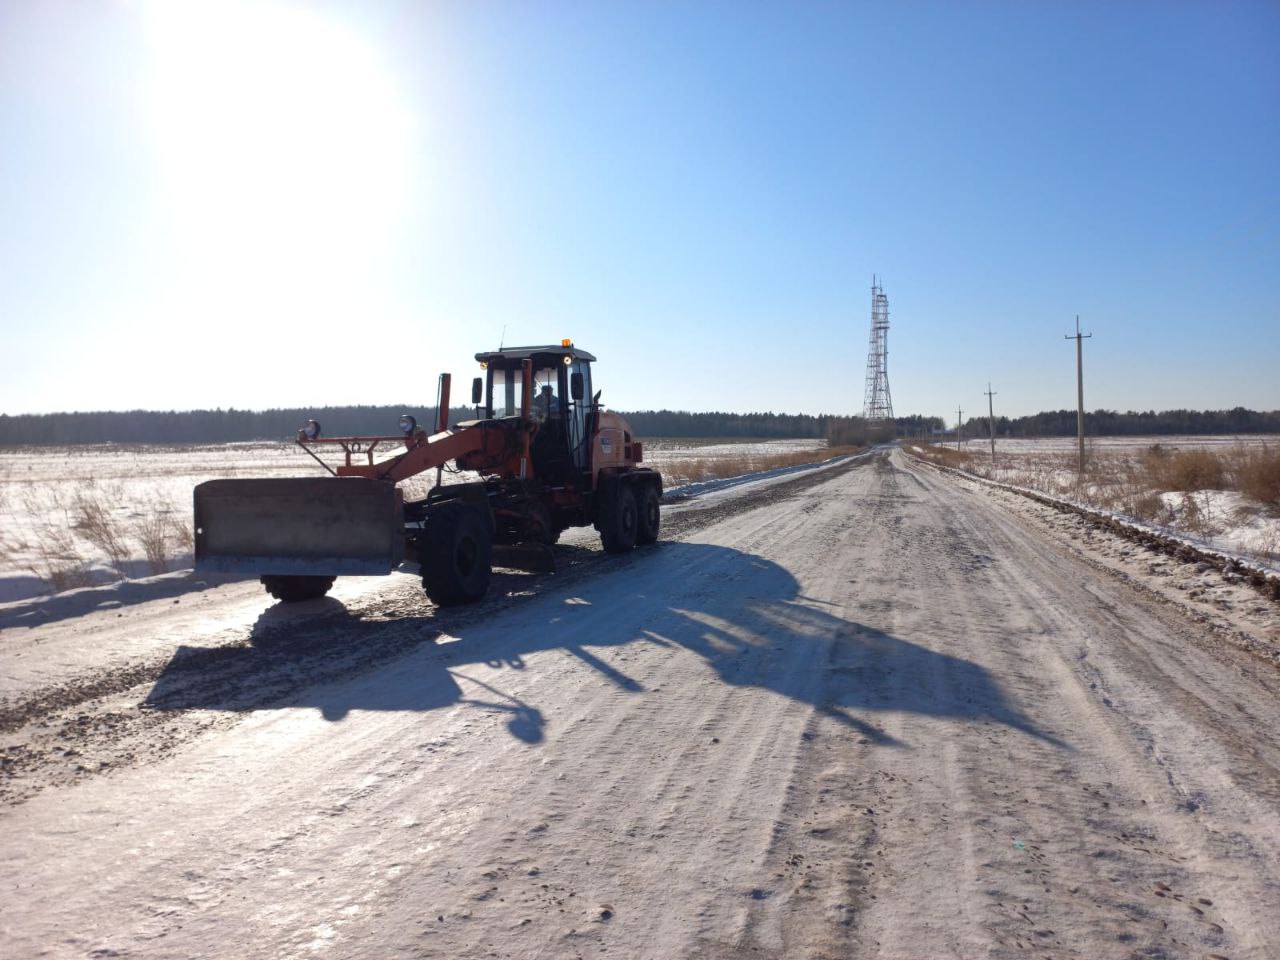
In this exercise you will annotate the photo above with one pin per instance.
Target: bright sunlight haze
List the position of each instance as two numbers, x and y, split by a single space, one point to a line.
257 204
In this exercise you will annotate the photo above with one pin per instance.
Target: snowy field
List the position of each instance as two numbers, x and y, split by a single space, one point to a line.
80 515
75 516
1124 476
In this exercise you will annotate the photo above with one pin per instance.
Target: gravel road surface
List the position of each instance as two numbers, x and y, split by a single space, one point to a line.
867 712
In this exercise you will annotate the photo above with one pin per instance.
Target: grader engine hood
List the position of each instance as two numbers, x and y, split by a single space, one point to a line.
613 445
325 526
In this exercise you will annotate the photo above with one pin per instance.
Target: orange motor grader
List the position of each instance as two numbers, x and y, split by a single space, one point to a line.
548 457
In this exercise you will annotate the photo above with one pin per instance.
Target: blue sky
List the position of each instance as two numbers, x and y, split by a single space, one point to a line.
278 204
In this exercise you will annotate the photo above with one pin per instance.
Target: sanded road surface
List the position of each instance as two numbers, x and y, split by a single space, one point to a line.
871 714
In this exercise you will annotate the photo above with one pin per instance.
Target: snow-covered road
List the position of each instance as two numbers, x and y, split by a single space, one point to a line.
866 712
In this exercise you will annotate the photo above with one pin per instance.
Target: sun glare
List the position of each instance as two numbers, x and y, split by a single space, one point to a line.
282 147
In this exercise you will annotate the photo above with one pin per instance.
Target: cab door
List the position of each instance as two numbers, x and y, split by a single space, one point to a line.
579 411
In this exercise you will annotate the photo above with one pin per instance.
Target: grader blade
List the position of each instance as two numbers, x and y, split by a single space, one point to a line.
319 526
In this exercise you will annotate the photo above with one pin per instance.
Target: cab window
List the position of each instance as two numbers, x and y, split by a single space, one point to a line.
506 390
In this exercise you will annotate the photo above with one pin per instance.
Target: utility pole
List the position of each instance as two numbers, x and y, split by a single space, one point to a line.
991 419
959 421
1079 339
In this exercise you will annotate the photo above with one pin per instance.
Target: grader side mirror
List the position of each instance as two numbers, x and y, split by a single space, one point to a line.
576 388
477 391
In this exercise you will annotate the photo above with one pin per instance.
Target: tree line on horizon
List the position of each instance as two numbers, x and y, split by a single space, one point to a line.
1110 423
231 425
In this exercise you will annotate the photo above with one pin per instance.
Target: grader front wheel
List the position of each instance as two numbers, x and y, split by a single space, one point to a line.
648 514
457 555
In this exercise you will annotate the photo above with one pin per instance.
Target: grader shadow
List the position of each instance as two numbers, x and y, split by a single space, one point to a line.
741 616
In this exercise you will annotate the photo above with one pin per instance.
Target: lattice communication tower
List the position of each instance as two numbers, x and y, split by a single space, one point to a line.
878 404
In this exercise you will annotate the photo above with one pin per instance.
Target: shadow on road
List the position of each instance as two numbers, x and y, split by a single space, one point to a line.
24 610
742 617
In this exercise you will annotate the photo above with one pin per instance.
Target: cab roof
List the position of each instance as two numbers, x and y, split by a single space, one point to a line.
525 353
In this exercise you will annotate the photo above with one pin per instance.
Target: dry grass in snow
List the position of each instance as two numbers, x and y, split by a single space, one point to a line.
92 534
1224 494
80 516
746 458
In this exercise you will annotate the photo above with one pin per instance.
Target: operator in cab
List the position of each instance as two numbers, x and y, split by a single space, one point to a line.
547 404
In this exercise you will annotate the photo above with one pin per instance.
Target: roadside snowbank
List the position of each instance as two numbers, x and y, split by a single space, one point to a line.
1222 522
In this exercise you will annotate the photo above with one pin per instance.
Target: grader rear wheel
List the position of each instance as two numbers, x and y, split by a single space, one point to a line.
648 514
